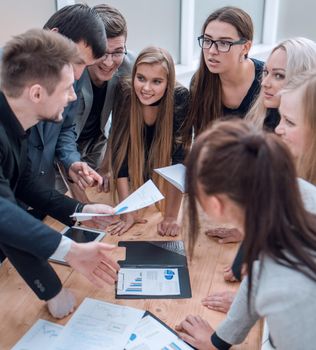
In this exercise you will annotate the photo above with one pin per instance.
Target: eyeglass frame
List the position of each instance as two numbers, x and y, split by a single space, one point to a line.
121 54
214 42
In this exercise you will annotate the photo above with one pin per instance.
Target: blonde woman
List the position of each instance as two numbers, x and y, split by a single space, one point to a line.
288 58
146 134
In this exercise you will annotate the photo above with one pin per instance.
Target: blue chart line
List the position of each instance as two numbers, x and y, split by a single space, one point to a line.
171 346
136 285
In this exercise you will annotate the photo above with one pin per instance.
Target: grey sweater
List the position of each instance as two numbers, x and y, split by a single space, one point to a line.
285 297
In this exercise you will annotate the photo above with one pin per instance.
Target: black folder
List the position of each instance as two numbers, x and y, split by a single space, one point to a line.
157 254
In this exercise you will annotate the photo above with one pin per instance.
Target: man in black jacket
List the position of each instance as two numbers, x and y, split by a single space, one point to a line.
37 84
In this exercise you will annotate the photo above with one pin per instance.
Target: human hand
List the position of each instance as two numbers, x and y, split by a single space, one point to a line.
197 332
105 187
84 176
220 301
127 221
101 221
169 227
92 260
229 275
225 235
62 304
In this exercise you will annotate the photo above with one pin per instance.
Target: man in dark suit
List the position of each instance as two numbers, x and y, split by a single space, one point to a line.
37 84
48 141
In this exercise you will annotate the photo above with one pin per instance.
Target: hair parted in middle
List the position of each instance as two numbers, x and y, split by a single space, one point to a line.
128 124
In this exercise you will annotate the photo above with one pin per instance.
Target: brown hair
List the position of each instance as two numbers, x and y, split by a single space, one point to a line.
256 171
37 56
113 20
306 164
130 114
206 91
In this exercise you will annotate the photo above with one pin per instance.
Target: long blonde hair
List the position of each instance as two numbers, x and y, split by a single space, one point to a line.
300 57
306 163
128 125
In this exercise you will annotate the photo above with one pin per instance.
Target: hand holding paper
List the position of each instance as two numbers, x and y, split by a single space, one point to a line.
145 196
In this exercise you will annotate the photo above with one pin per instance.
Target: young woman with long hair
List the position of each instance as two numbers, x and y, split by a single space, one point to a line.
227 80
241 175
146 133
287 59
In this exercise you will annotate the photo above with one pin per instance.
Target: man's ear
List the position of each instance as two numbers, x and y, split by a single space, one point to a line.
36 93
55 30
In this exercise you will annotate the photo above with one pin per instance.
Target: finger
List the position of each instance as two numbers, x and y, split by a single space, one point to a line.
106 275
187 338
106 267
81 186
124 229
141 221
86 180
85 169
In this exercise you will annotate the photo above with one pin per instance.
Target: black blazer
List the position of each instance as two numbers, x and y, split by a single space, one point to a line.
24 240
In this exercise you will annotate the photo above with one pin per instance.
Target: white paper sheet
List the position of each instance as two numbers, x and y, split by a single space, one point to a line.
139 281
41 335
175 174
144 196
97 325
152 335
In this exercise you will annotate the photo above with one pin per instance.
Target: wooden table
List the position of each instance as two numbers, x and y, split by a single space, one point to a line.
20 308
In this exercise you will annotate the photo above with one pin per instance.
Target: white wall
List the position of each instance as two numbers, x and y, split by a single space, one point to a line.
296 18
18 16
149 23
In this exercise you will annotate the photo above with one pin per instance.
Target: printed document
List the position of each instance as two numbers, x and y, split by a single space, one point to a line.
151 334
175 174
39 336
144 196
98 325
143 281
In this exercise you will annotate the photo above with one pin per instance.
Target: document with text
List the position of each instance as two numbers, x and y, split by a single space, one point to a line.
98 325
153 281
39 336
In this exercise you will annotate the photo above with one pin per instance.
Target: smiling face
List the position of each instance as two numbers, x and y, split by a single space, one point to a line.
221 62
150 82
104 69
293 128
274 78
52 106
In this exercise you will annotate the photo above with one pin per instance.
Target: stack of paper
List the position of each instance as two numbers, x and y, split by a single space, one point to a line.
175 174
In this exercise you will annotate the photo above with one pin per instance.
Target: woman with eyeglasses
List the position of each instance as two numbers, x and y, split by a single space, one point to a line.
241 175
146 124
227 80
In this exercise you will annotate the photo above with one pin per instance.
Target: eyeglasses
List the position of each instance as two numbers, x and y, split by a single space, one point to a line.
116 55
221 45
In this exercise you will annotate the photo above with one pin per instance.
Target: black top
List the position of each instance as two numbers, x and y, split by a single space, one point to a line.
16 179
91 129
272 119
181 98
251 96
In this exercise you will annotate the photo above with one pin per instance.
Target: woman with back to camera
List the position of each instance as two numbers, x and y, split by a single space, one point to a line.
241 175
146 134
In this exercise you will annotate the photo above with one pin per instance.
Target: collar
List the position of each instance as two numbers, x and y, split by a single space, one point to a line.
9 119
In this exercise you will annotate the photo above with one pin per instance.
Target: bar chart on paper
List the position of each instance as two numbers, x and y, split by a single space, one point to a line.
173 346
137 284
